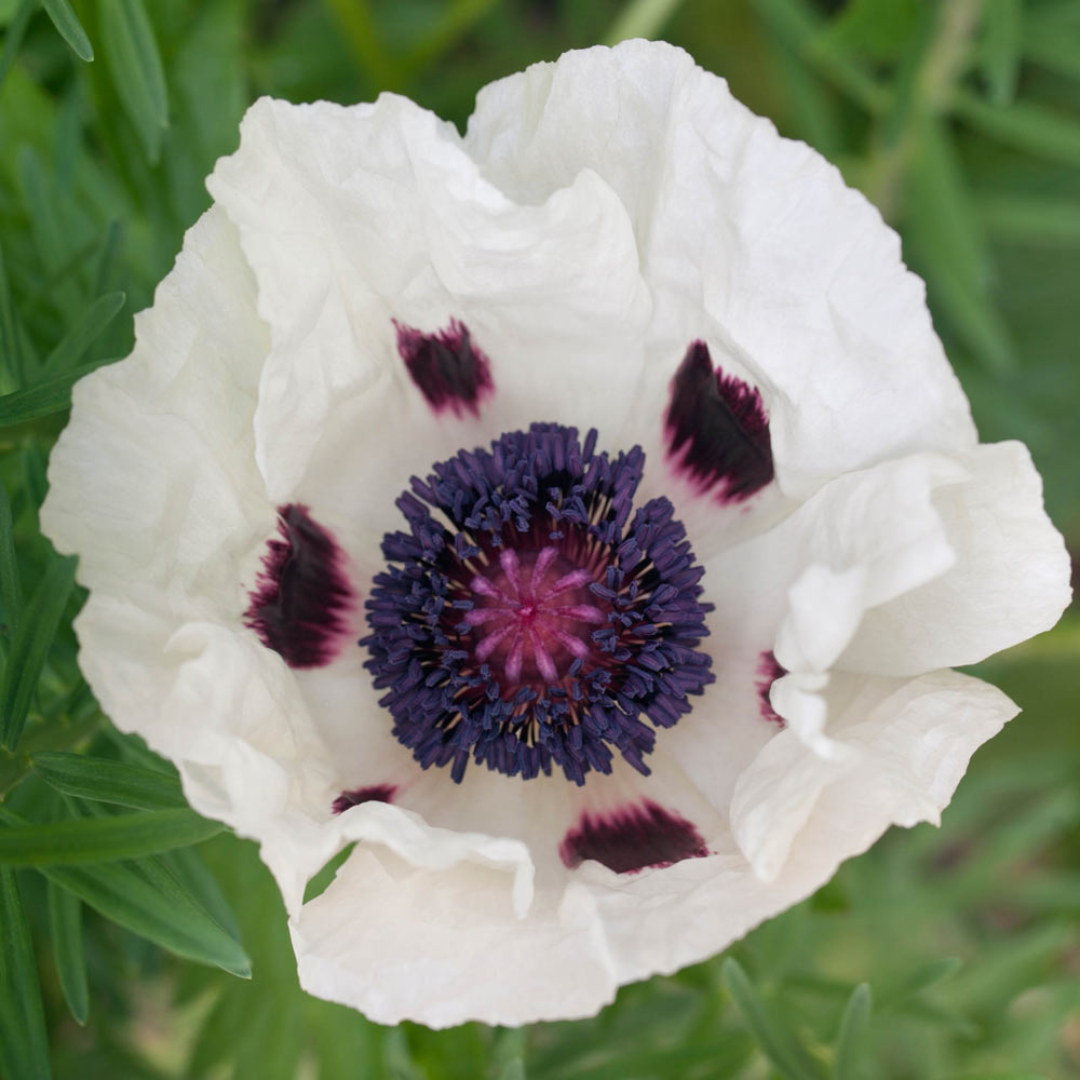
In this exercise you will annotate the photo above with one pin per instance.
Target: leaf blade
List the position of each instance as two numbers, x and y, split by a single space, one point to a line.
103 839
105 780
30 646
65 924
43 398
87 328
70 29
23 1047
851 1039
776 1045
136 69
145 898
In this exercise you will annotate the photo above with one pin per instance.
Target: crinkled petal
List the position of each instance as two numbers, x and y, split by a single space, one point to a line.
1010 579
913 737
783 267
353 218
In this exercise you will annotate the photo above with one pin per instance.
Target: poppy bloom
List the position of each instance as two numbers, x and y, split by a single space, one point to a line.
580 515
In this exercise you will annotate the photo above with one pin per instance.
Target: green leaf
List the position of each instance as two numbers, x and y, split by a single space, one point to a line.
1031 128
850 1042
1003 30
71 30
65 925
103 839
1031 219
146 898
641 19
10 352
88 327
44 398
23 1045
30 647
105 780
775 1042
10 585
921 979
13 37
135 64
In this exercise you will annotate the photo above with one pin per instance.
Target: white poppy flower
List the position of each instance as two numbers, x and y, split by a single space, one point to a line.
580 515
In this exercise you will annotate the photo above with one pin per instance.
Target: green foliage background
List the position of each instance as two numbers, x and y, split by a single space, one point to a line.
127 925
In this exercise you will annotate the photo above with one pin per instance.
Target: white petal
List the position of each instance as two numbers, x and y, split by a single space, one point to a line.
1009 582
869 537
399 940
354 217
908 744
917 749
799 278
153 480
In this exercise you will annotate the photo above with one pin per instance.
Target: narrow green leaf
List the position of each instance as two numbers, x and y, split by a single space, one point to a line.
44 398
71 30
10 352
23 1045
641 19
922 978
46 214
110 245
850 1043
1050 48
135 65
168 916
777 1044
1031 128
103 839
30 646
147 899
105 780
910 74
1003 37
13 38
188 867
88 327
354 17
1031 219
10 585
65 925
799 25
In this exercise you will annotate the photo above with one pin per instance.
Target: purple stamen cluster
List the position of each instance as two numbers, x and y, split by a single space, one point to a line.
531 616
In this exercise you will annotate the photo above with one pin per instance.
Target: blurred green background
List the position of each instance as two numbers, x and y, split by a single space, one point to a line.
948 953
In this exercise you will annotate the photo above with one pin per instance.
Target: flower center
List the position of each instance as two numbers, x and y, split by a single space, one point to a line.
531 616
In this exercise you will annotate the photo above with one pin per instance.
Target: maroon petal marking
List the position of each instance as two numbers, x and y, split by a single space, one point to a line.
451 372
717 429
302 595
769 670
374 793
632 838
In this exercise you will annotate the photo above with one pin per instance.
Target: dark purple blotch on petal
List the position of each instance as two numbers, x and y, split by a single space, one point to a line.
717 429
632 838
374 793
302 596
769 670
451 372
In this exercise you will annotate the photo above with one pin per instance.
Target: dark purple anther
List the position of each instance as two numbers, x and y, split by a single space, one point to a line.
717 429
302 597
374 793
632 838
451 372
769 670
532 616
